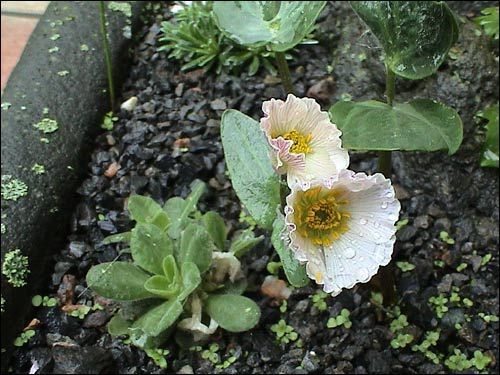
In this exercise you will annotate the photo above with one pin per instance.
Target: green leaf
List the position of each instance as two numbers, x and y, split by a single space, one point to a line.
234 313
121 281
145 210
420 125
190 279
415 35
161 286
243 242
116 238
253 178
196 247
159 318
179 209
118 326
278 25
149 246
294 271
489 21
490 149
216 228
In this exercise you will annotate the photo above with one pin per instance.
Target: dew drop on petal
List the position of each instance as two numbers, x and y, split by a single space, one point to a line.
384 205
363 275
349 253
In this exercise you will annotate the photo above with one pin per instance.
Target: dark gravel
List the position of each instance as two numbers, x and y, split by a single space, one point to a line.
179 111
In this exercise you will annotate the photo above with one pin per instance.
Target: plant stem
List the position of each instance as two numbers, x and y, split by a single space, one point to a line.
107 58
284 72
384 157
384 279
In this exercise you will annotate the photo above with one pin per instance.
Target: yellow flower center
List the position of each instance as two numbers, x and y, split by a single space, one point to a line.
320 215
300 142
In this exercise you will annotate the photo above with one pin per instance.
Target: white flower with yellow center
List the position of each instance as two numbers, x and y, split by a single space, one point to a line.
305 144
342 227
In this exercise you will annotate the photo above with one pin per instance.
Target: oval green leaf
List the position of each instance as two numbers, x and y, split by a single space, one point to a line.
159 318
121 281
280 25
145 210
149 246
234 313
415 35
216 228
420 125
254 180
294 271
196 247
190 279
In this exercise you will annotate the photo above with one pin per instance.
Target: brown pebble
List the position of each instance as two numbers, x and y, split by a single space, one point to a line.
112 169
66 289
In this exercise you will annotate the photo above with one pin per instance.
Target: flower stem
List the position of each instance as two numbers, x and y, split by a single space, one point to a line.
384 279
107 58
384 157
284 72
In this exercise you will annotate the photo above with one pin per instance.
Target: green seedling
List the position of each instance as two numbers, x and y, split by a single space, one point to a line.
445 237
401 341
81 312
339 320
318 300
283 306
284 333
47 125
44 301
108 122
488 318
486 259
401 223
491 145
158 356
458 361
38 169
211 354
489 21
480 360
439 303
405 266
399 323
24 337
461 267
274 267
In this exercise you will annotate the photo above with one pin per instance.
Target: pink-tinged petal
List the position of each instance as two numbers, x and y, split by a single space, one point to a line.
325 157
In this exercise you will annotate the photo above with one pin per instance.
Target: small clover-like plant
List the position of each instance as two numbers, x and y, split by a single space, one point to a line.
480 360
284 332
439 303
457 361
24 337
108 121
44 301
339 320
158 356
401 340
318 300
185 273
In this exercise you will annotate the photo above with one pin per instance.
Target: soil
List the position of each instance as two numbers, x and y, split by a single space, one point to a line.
437 192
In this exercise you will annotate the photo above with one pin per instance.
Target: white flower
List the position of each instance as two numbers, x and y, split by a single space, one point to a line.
225 264
342 227
199 330
305 144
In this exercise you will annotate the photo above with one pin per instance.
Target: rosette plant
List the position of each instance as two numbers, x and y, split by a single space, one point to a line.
276 25
184 272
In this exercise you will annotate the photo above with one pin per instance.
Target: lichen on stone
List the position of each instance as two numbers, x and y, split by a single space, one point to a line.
13 188
15 268
38 169
47 125
63 73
